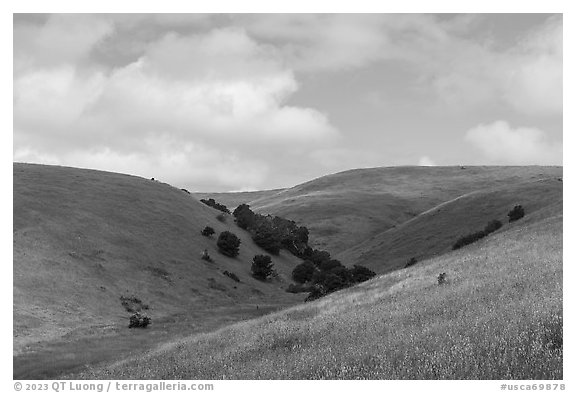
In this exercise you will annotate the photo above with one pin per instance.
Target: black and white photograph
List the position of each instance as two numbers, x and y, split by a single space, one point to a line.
287 196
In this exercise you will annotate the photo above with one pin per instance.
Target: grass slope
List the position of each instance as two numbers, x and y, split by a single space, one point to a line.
433 232
83 238
232 199
344 209
498 317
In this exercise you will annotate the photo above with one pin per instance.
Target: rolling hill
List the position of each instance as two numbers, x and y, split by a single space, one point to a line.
498 317
87 244
83 239
434 231
347 208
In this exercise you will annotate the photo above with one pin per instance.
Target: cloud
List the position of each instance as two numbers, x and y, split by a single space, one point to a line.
325 42
505 145
534 79
426 161
62 39
220 92
191 165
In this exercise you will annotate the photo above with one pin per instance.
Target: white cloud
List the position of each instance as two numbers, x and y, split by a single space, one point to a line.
534 79
63 39
188 164
504 145
426 161
317 42
220 92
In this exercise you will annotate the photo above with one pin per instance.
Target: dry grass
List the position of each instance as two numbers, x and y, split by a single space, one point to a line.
346 208
434 232
83 239
499 317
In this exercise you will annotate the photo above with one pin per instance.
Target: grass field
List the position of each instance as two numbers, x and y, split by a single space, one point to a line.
433 232
498 317
347 208
83 239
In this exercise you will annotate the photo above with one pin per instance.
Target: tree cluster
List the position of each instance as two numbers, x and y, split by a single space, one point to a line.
475 236
272 233
323 274
218 206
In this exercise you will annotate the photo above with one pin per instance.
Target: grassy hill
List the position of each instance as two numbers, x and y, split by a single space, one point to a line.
233 199
434 231
347 208
83 239
499 316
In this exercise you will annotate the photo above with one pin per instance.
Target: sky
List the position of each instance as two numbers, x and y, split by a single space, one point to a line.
216 102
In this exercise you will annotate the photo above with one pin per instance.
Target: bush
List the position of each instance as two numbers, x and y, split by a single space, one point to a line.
442 279
411 262
317 257
228 244
133 304
298 288
329 264
245 218
208 231
316 292
262 267
206 256
516 213
492 226
468 239
218 206
361 274
231 275
267 240
221 217
138 320
303 272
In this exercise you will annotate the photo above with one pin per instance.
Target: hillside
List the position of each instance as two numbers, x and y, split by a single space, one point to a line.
499 316
84 238
347 208
433 232
233 199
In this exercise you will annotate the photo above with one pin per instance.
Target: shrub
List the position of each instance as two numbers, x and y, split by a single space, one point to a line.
329 264
138 320
267 240
213 204
442 279
262 267
516 213
206 256
298 288
207 231
361 274
221 217
228 244
317 256
468 239
132 303
412 261
245 218
303 272
316 292
492 226
231 275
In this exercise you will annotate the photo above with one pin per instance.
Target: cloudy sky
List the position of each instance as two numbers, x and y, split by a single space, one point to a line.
243 102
